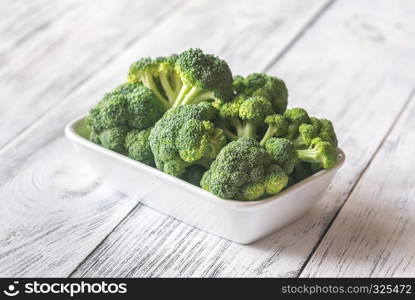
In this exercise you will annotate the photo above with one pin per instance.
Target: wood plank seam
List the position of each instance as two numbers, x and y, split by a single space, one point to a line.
105 238
87 77
300 34
273 61
388 132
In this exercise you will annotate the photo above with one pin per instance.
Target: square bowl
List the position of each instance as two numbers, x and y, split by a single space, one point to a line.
239 221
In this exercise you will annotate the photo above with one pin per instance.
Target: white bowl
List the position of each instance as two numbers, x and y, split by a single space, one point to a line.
238 221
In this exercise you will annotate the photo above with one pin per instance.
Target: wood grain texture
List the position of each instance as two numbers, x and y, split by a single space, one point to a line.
54 214
58 46
373 233
353 66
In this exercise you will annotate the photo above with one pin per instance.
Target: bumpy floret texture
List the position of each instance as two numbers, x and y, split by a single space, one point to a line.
138 147
283 153
260 84
185 136
243 170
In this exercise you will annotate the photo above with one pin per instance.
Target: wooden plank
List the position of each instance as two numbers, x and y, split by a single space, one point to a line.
353 66
373 234
39 173
60 47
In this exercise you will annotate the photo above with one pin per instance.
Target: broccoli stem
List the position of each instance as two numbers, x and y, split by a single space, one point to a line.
238 126
177 83
308 155
249 130
165 83
182 94
191 96
149 83
268 134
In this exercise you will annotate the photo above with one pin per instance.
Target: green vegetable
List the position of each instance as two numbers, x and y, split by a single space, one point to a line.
185 136
243 170
245 115
188 78
260 84
138 147
283 153
319 152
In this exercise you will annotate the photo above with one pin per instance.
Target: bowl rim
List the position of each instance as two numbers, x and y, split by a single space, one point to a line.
73 135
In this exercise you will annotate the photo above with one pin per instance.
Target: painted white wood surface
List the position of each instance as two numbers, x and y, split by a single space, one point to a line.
53 48
374 233
353 66
53 211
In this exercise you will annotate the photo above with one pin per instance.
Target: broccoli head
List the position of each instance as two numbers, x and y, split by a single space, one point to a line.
306 133
260 84
283 153
185 136
243 170
243 116
112 139
128 104
138 147
295 117
327 132
188 78
319 152
277 126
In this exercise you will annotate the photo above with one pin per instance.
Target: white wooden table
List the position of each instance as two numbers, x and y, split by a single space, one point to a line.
350 61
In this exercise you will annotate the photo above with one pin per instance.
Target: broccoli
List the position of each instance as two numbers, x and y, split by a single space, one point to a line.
319 152
295 117
243 170
138 146
260 84
128 104
321 128
283 153
306 133
188 78
185 136
327 132
245 115
277 126
113 139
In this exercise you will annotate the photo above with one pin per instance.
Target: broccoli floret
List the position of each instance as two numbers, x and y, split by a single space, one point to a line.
184 137
277 126
295 117
243 170
327 132
159 76
143 108
245 115
110 112
128 104
260 84
306 133
113 139
188 78
319 152
283 153
138 147
203 76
